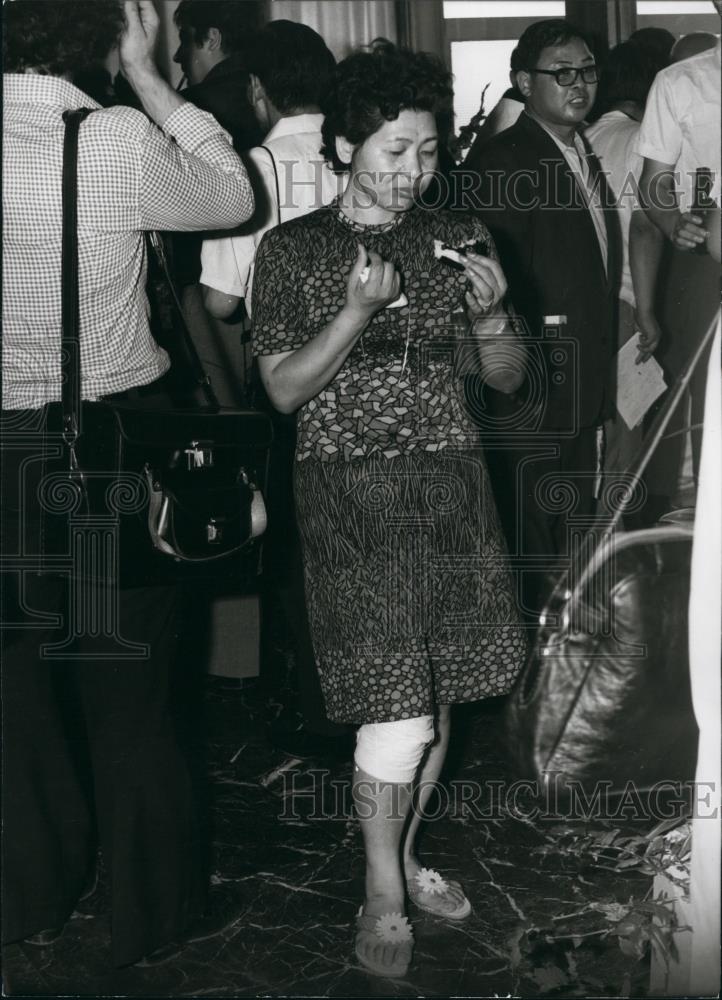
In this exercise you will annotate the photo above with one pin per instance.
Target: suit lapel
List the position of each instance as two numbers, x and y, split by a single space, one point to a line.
548 150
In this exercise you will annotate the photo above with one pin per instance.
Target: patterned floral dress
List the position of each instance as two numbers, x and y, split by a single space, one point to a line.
407 582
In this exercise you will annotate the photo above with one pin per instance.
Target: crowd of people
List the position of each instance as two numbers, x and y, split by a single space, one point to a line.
438 344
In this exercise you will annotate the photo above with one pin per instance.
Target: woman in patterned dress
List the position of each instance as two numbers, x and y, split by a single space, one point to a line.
364 331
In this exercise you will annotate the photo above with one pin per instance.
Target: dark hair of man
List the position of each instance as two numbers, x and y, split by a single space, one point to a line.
627 75
235 19
372 85
293 63
657 40
540 36
56 37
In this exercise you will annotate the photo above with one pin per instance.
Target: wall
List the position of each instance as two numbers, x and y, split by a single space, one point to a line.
342 23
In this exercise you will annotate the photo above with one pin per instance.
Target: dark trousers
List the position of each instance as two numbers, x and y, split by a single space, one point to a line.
688 299
544 489
88 739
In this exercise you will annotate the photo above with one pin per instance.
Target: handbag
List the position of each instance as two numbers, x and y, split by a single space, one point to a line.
185 484
603 703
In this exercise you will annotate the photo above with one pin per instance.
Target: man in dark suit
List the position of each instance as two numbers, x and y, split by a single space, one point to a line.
541 192
213 36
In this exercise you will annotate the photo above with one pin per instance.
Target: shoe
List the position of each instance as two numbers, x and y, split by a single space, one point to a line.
45 938
428 885
389 928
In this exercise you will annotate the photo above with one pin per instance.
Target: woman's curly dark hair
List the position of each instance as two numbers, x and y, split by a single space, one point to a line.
59 36
373 85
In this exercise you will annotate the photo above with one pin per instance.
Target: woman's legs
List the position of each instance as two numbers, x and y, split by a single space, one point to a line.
387 758
382 808
423 787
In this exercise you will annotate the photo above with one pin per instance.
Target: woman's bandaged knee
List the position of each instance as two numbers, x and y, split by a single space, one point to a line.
392 751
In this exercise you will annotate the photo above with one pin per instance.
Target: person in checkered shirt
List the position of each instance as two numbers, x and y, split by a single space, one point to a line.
172 168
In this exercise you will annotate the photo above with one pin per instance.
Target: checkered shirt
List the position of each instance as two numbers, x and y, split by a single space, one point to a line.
132 176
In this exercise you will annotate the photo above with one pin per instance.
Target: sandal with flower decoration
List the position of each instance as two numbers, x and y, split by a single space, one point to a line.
389 928
427 886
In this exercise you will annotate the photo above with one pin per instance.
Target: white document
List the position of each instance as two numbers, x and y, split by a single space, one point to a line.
638 386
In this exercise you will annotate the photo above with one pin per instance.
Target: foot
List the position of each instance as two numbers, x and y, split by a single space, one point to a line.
435 894
384 938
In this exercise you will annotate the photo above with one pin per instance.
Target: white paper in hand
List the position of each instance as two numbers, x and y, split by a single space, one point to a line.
638 386
397 303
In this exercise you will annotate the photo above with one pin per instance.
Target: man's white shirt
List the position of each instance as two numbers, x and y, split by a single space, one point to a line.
305 183
681 126
614 139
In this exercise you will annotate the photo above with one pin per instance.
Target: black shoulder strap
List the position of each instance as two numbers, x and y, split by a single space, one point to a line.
192 358
70 297
278 187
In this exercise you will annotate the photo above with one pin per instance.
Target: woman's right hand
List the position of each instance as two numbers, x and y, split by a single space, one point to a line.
382 286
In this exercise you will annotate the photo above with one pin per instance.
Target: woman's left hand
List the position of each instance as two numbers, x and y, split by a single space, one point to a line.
488 285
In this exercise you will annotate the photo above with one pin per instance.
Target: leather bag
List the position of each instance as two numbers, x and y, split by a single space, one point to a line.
604 700
185 484
605 697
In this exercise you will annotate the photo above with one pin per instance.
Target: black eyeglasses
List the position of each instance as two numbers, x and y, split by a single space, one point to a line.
566 76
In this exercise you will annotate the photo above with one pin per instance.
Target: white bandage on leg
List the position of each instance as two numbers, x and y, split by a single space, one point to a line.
392 751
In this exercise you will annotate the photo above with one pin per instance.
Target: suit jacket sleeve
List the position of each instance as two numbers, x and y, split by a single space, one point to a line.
503 196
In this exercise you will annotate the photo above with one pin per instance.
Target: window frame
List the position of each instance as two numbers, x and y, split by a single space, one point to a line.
480 29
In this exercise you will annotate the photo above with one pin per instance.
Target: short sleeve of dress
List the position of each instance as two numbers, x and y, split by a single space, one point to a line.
279 322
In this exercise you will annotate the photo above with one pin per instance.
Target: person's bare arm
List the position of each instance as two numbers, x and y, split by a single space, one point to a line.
500 353
219 304
658 197
293 377
646 245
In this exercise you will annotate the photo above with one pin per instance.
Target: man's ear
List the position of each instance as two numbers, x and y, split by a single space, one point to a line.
344 149
523 82
255 88
214 40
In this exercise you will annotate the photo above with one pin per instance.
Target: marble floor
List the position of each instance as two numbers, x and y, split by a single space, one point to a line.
287 878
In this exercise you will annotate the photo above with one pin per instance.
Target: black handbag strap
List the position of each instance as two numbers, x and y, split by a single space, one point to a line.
192 357
70 292
278 186
70 295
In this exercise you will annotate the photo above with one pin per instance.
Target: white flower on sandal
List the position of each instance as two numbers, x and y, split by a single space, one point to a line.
393 928
430 881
